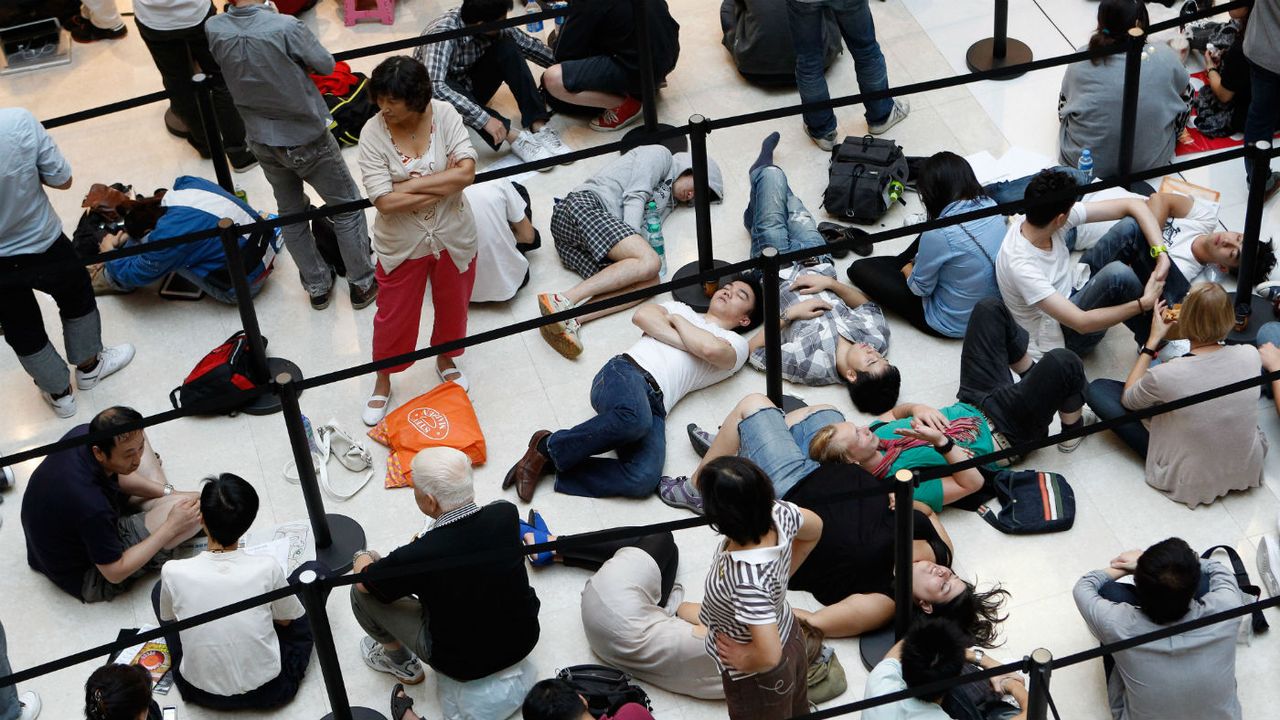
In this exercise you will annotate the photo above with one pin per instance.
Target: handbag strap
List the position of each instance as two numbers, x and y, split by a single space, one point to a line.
983 250
1260 624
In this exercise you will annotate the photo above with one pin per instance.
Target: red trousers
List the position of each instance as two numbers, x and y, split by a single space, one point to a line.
400 298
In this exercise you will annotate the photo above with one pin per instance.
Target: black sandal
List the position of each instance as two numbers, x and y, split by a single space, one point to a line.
400 702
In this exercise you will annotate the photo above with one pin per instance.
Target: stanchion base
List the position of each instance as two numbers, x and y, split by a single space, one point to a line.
873 646
360 713
980 56
692 295
348 537
791 402
675 144
1263 313
269 403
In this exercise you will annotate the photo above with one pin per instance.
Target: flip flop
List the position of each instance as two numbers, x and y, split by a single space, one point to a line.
400 704
537 527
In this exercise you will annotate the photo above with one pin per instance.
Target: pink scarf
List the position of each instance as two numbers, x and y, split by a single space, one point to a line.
963 430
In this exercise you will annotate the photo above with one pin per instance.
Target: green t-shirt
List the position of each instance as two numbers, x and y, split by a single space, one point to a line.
929 492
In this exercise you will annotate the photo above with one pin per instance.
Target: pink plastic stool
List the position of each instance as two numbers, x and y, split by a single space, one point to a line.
384 12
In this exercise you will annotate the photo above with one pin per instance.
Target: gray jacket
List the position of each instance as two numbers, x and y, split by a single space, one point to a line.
643 174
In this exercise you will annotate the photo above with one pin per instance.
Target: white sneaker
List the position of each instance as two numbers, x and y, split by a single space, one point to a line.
31 705
375 656
914 219
899 113
528 149
63 407
550 139
1089 418
110 360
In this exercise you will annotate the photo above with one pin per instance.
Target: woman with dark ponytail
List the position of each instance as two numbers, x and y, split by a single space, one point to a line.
119 692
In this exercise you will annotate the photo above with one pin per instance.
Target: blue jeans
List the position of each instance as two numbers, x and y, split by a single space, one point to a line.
859 32
9 706
1007 191
1115 284
1104 397
782 452
1264 108
631 419
776 218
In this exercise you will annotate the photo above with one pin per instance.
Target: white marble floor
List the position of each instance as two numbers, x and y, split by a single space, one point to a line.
922 39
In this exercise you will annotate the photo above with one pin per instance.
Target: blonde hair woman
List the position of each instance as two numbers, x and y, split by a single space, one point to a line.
1175 444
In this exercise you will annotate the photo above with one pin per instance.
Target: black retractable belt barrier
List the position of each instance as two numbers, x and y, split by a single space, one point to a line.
648 84
1000 50
213 137
698 297
1041 666
314 594
769 302
1259 155
1129 102
874 645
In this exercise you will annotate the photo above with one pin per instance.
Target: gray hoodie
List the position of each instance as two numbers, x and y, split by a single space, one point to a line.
643 174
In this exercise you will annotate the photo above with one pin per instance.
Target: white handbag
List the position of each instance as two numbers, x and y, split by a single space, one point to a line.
331 440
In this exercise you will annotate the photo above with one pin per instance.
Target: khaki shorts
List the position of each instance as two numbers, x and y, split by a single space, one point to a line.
132 530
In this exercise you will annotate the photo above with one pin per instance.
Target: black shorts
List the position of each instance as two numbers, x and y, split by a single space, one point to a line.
600 73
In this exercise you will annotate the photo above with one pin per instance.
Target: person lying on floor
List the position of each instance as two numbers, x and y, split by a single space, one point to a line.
555 699
194 204
504 233
851 569
629 609
830 332
680 352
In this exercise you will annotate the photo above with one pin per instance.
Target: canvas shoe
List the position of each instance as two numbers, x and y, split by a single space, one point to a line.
1089 418
110 360
550 139
528 149
825 142
625 115
375 656
899 113
563 335
678 492
30 704
63 407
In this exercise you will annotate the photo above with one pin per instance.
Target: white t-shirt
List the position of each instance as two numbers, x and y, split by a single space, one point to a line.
170 14
885 678
500 268
1026 275
678 372
239 652
1178 232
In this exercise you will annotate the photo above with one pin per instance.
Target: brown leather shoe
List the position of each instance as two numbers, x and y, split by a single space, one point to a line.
531 468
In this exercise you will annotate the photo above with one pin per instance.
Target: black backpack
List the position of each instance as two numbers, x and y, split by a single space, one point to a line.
224 371
1031 502
866 176
605 689
351 111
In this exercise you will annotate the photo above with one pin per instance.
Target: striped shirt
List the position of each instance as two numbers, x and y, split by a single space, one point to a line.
749 587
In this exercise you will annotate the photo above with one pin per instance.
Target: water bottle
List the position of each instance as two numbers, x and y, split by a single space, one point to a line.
530 8
559 6
653 228
1086 163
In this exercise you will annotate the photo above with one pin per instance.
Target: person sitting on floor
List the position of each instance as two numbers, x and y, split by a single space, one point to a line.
474 624
119 692
937 280
504 233
1222 104
932 651
598 233
851 570
598 60
1192 675
1057 301
194 204
629 609
255 659
467 72
830 331
680 352
556 699
1196 454
99 516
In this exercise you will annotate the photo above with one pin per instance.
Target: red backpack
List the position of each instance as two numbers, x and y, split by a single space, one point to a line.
224 371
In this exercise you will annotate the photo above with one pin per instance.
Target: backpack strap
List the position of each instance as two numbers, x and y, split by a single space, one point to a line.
1260 623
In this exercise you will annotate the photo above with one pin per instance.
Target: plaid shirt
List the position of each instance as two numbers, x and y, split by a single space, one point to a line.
448 62
809 346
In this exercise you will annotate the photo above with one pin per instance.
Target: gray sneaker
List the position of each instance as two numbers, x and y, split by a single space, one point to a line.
1067 446
375 656
678 492
826 142
899 113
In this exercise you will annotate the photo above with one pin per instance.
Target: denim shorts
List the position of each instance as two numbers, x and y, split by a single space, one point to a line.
782 452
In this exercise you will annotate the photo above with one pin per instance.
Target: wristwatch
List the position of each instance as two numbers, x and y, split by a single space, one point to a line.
168 489
977 654
1144 350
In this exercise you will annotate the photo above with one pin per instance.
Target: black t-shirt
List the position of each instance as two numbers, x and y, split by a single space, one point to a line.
606 27
855 553
70 511
482 617
1234 74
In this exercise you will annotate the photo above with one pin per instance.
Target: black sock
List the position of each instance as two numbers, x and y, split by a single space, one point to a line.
766 152
91 368
1073 425
545 452
62 394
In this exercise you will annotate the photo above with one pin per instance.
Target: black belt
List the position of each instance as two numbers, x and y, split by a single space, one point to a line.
643 373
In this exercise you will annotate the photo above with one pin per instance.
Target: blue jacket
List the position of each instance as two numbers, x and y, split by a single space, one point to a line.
193 204
951 273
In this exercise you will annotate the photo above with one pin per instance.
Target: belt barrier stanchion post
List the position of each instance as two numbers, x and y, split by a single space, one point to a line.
1038 694
213 138
1000 50
262 367
874 646
698 297
337 536
1129 103
1245 332
313 599
648 83
772 326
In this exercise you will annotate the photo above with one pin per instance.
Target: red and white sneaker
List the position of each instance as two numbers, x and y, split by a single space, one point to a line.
625 115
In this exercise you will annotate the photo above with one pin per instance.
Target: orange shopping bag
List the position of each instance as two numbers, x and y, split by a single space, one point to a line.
442 417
